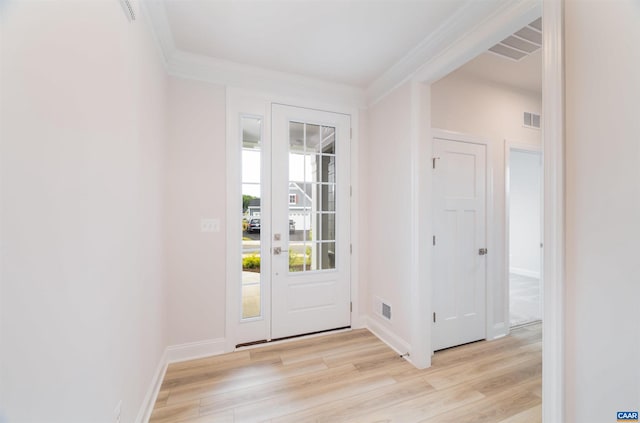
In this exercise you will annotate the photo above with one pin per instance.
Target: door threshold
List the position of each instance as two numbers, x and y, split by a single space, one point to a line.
265 342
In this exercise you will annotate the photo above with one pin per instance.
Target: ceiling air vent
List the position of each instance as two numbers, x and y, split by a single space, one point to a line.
521 44
531 120
127 7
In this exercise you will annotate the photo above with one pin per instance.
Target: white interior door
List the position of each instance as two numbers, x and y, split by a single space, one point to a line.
459 262
310 284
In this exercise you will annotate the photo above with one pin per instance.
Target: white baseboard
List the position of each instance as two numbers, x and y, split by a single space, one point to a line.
144 414
524 272
174 354
396 343
500 330
193 350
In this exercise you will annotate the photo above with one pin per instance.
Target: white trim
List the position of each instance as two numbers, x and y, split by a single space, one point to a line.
422 223
232 243
208 69
444 134
500 329
491 326
508 19
175 354
394 342
553 285
454 44
507 269
357 321
183 64
194 350
161 31
237 330
144 414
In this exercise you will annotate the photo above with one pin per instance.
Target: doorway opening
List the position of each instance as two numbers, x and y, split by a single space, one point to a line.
494 97
524 229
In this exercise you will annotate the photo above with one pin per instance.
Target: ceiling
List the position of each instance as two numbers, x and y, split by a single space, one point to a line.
340 41
525 74
350 52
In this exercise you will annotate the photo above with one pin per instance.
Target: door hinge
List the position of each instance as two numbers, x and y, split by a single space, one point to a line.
350 190
350 133
350 248
433 162
434 317
351 307
434 240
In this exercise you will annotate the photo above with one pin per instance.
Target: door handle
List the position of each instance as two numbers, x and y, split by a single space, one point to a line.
482 251
278 250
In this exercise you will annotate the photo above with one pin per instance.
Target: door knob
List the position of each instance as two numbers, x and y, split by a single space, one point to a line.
482 251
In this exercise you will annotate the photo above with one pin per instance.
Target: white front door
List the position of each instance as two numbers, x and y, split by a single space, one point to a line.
310 280
459 262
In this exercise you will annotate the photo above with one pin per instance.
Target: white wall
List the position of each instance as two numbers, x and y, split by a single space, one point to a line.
525 174
494 112
602 209
82 110
387 266
196 188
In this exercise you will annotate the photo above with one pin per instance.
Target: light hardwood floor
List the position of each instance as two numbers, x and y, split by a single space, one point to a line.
354 377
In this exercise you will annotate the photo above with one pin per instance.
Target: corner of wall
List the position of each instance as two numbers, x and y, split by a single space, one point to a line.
175 354
144 414
396 343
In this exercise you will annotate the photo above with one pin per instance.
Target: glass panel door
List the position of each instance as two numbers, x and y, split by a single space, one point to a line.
310 215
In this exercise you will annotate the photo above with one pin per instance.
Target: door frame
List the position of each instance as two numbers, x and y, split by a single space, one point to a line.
489 224
463 50
247 102
508 147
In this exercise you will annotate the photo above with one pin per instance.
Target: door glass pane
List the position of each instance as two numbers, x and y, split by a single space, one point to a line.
328 227
328 140
312 197
251 193
313 138
296 137
327 253
328 196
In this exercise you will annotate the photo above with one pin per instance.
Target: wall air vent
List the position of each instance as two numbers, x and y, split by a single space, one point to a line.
382 308
521 44
531 120
386 311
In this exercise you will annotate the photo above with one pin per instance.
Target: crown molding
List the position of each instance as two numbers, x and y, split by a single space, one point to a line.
157 15
474 28
194 66
188 65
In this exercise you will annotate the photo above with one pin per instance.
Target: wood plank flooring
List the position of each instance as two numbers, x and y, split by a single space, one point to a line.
354 377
